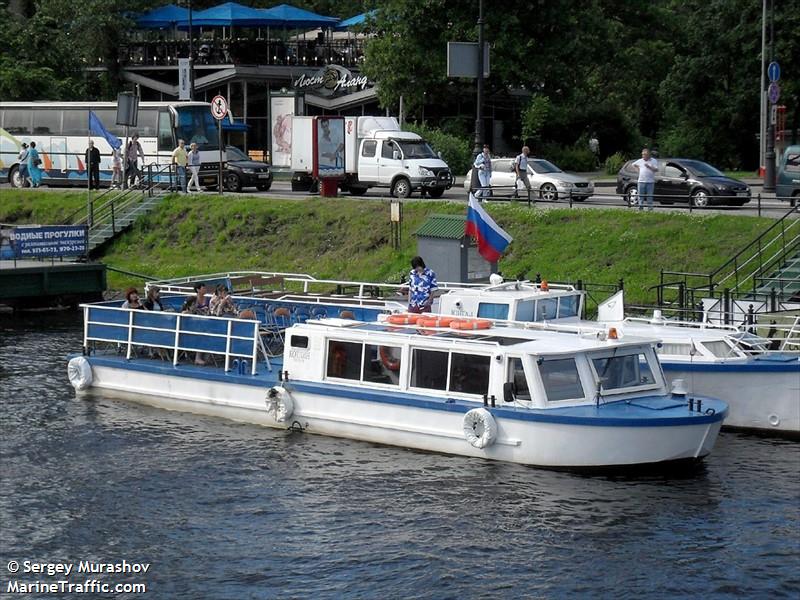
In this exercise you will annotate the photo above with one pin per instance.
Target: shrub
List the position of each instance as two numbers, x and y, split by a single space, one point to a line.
614 163
569 158
456 151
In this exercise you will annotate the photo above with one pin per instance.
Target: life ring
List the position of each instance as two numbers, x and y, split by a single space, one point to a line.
467 324
279 404
403 319
435 321
390 362
480 428
79 372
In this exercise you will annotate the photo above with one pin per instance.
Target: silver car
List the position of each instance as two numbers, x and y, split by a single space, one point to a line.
547 180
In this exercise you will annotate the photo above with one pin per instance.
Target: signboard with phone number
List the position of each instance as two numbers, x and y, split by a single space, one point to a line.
55 241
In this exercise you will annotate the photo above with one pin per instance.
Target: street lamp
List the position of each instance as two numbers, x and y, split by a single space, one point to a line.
769 154
479 100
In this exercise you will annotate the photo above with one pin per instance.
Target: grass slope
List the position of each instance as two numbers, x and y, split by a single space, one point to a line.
349 239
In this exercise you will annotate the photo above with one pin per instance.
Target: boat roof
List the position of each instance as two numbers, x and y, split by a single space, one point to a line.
518 290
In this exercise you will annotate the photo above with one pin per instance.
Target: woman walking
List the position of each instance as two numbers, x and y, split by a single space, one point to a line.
34 172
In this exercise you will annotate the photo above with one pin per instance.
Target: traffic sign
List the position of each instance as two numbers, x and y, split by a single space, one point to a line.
774 71
219 107
774 92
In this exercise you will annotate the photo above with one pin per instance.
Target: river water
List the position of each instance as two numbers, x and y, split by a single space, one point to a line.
226 510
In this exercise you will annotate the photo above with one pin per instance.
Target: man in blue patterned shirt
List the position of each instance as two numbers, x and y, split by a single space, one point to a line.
421 283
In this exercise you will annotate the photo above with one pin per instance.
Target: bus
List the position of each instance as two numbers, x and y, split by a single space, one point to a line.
60 130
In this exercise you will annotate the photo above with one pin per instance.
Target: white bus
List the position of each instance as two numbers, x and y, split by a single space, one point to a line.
60 130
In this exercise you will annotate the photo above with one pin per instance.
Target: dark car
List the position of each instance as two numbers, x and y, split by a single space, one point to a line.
685 180
241 172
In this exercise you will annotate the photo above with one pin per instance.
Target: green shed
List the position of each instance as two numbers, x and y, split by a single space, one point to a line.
452 255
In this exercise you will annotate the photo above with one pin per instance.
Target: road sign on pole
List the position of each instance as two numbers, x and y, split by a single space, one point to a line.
774 92
774 71
219 107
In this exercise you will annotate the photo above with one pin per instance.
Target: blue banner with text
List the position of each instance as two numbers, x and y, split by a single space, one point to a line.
52 241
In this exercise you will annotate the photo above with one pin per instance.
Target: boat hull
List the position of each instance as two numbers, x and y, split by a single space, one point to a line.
553 444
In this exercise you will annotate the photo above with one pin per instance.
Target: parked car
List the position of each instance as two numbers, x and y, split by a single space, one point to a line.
685 180
549 182
787 180
241 171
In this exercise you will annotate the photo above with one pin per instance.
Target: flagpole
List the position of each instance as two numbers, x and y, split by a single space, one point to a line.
88 175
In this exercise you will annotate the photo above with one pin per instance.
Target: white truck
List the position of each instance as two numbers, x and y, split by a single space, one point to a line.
377 154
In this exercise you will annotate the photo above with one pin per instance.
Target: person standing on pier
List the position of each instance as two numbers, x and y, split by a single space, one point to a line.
93 166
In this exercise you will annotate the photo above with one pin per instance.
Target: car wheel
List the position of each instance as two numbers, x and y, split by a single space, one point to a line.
548 192
17 181
436 192
232 182
264 187
632 196
700 199
795 199
357 191
401 188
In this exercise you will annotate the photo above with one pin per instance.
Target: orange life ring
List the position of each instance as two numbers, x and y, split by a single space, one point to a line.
403 319
389 361
467 324
435 321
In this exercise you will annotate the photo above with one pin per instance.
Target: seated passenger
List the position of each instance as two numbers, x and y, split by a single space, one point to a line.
132 299
198 304
153 299
221 304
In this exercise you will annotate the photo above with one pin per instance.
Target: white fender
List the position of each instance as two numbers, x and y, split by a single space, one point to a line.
79 372
480 428
279 403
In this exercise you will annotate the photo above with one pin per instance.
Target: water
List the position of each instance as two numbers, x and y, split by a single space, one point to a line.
226 510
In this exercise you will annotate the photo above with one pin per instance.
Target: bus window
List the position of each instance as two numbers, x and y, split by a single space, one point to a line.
108 117
195 124
147 124
17 121
165 139
48 122
76 121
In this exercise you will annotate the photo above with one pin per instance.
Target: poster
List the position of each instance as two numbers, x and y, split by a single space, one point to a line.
330 147
281 111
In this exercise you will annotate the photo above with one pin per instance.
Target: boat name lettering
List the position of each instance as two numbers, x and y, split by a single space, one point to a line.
300 353
457 312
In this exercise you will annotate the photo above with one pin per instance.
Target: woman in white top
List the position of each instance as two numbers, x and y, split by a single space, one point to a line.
194 167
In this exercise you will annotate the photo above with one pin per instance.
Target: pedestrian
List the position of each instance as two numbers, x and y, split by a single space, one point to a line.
647 167
93 166
483 162
180 159
22 169
194 167
133 151
521 169
116 168
594 148
34 172
421 284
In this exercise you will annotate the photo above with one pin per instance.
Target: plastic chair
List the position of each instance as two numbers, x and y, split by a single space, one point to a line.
347 314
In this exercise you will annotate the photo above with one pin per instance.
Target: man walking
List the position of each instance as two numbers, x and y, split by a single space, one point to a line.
647 167
483 163
180 159
93 166
521 169
133 151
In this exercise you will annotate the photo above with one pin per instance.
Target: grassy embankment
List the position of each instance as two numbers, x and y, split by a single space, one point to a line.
349 239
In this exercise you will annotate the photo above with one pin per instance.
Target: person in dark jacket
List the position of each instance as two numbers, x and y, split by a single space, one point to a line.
93 166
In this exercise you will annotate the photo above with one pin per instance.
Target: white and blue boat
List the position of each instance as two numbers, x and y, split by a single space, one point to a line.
458 386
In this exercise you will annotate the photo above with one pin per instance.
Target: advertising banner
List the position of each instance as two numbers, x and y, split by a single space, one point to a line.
53 241
282 111
329 159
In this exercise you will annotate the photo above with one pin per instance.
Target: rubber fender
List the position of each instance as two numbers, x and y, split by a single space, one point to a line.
480 428
79 372
280 404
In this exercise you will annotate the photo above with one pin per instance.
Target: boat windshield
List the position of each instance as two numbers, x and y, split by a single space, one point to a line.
623 372
721 349
412 149
195 124
750 343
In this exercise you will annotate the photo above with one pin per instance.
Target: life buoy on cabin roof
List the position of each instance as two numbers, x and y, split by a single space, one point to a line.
466 324
403 319
79 372
480 428
435 321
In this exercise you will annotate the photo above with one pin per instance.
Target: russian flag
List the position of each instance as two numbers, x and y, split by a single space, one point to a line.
491 238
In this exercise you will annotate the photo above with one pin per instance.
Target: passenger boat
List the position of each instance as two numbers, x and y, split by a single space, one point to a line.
762 387
458 386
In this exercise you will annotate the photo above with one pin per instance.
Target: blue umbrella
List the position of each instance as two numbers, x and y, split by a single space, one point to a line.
229 14
356 20
163 17
291 17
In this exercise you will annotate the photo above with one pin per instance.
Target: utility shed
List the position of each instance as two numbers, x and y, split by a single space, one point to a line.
452 255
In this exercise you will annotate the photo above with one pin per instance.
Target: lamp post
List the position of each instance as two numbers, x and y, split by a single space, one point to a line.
769 154
191 54
479 100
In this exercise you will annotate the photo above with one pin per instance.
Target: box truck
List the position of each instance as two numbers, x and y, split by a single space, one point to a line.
376 154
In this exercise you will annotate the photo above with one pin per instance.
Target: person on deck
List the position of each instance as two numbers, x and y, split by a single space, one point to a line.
421 284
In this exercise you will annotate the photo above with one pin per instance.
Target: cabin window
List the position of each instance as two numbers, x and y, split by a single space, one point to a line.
382 364
546 309
344 360
568 306
675 349
488 310
469 374
429 369
516 375
48 122
561 379
368 149
720 349
617 372
525 310
299 341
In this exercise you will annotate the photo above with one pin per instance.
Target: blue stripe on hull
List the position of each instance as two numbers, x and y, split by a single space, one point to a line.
748 367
